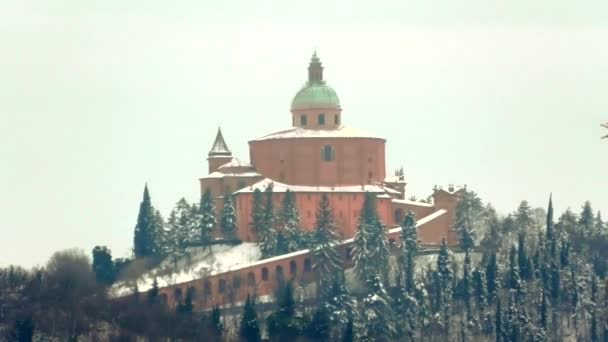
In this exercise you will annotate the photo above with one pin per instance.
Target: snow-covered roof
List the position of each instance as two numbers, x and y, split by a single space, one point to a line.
199 263
299 132
394 179
423 220
218 174
235 162
420 204
280 187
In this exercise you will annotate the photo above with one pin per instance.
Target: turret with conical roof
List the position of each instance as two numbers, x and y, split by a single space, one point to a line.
316 105
219 154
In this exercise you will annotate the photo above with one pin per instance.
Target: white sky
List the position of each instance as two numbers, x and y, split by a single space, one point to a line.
99 97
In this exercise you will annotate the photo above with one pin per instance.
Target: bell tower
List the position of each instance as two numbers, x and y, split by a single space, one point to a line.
219 153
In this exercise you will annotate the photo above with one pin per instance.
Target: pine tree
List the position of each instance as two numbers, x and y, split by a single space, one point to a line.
290 224
158 225
143 239
599 223
377 313
257 212
249 328
466 285
492 239
207 218
183 223
370 250
268 234
594 302
523 217
328 262
228 220
468 213
341 305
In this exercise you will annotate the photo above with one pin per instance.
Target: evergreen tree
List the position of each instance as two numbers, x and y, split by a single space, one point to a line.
144 237
499 324
445 277
22 330
290 224
377 313
102 265
228 220
153 293
249 328
409 236
267 234
349 334
217 327
525 267
594 302
328 262
340 305
492 238
512 330
587 222
257 212
543 310
319 327
492 277
282 324
370 250
524 217
158 225
468 214
599 223
480 289
207 218
466 285
183 224
514 282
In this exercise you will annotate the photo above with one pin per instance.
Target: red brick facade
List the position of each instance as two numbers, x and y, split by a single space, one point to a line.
312 158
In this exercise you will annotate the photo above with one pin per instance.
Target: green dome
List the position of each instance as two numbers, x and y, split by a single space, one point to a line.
315 94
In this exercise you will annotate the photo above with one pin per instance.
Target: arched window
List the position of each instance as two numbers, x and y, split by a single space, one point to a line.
279 272
236 282
251 279
399 216
207 288
264 273
321 119
191 294
328 153
177 295
222 286
303 120
336 119
293 267
307 265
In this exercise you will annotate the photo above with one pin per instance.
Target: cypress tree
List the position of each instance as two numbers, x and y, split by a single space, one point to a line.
228 220
217 327
499 327
466 285
257 213
492 277
587 222
249 328
409 236
525 267
207 218
370 250
290 224
514 275
445 277
143 239
594 333
328 262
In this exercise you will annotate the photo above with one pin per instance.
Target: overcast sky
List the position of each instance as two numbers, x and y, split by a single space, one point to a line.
99 97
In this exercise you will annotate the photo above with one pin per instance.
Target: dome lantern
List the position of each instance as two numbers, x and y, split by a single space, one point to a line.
316 105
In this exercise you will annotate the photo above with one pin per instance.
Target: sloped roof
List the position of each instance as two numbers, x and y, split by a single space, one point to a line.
219 148
280 187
